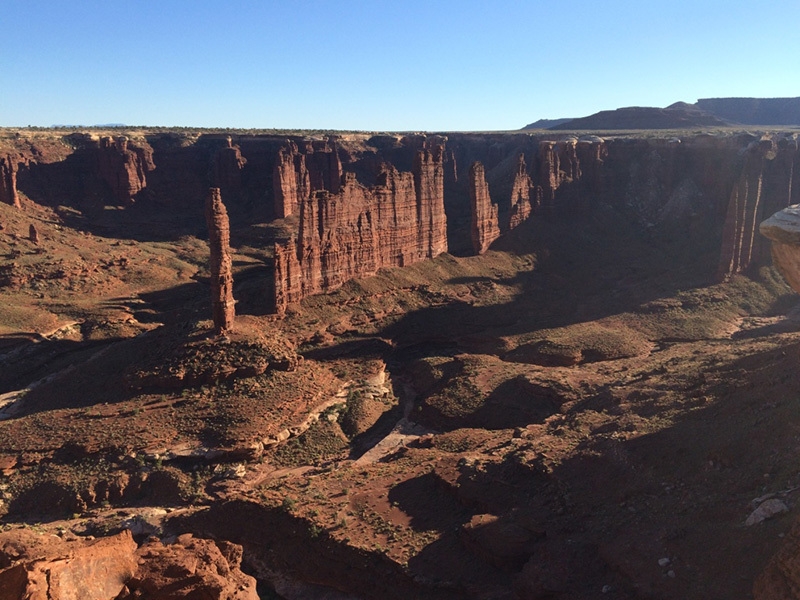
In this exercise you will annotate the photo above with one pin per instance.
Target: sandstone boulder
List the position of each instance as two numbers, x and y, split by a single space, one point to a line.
46 567
43 566
190 568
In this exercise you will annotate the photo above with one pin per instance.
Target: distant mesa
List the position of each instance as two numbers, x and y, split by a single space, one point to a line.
676 116
706 112
754 111
548 123
96 125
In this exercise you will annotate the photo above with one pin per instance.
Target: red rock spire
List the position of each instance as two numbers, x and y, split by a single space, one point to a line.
222 302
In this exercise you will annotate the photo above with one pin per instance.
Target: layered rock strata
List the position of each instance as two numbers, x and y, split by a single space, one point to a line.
124 167
290 181
428 173
713 188
485 220
298 173
222 302
358 230
765 184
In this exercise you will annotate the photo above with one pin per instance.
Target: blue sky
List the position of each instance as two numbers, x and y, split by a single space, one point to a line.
392 66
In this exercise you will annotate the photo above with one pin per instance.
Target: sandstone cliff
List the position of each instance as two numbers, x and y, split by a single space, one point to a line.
358 230
124 167
485 221
228 165
299 172
765 184
429 188
709 189
290 180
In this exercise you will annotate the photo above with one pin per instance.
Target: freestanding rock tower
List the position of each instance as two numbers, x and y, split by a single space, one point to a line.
219 237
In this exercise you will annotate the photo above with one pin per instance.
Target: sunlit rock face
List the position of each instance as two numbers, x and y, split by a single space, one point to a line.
783 229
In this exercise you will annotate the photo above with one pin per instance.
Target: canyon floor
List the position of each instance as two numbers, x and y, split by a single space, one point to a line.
579 413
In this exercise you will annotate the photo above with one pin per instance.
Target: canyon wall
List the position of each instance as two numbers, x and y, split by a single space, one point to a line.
356 230
765 184
228 165
343 206
124 166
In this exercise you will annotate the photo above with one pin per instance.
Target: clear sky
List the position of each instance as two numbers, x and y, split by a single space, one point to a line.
382 65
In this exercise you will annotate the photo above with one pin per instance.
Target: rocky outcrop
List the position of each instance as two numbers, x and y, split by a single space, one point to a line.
558 164
521 206
189 568
9 164
359 230
124 167
228 165
324 166
765 184
485 220
46 567
222 303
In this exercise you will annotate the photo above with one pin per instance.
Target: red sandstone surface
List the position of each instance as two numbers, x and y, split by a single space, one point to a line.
584 411
485 221
358 230
48 567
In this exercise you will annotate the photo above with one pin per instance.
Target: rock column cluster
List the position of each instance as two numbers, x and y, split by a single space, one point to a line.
357 230
521 207
222 302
